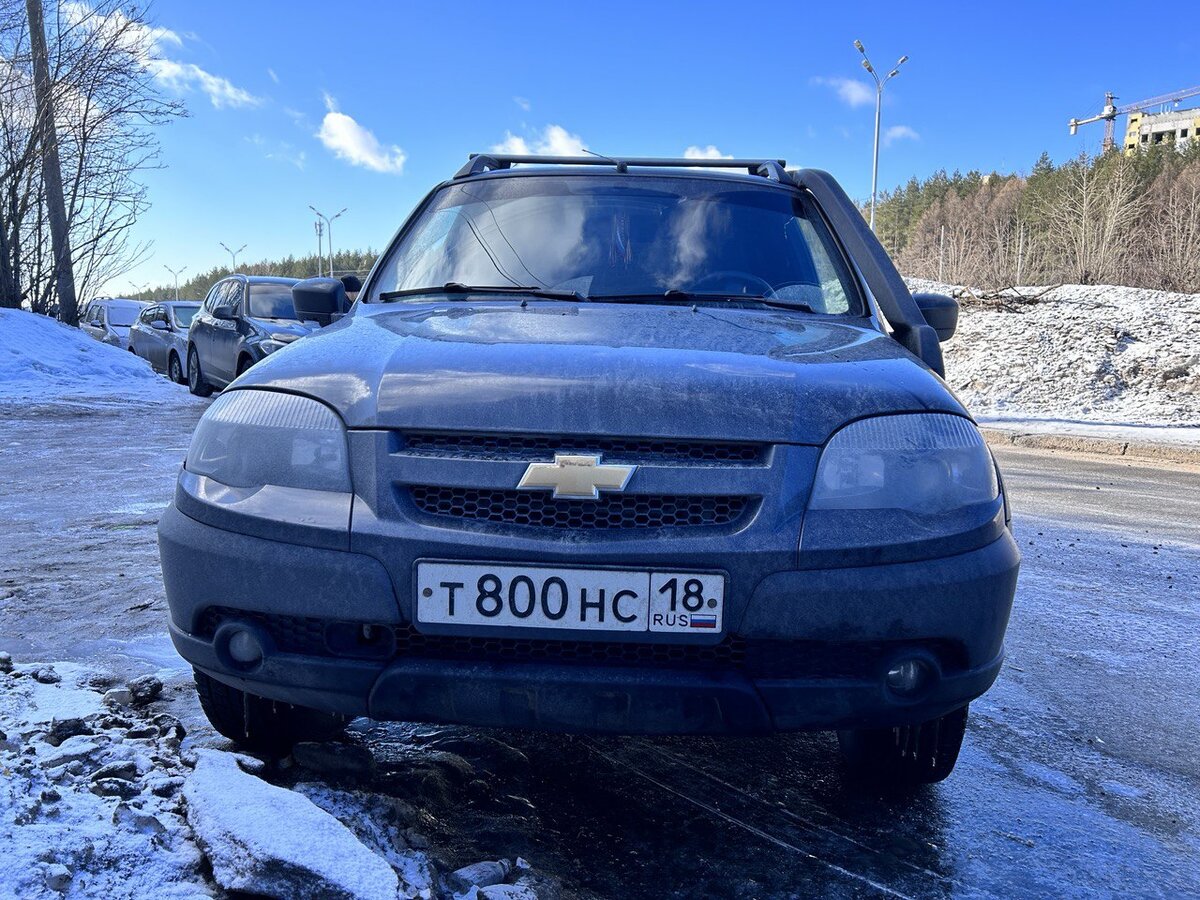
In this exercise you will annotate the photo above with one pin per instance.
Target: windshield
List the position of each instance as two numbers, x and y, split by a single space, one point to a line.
623 235
123 316
271 301
183 315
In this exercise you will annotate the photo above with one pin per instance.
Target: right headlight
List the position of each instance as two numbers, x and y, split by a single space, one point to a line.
251 438
897 480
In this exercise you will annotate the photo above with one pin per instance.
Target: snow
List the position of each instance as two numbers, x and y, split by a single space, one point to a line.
42 360
1146 434
269 840
1074 355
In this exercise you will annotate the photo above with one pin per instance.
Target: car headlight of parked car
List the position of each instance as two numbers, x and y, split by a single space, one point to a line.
271 343
897 479
252 438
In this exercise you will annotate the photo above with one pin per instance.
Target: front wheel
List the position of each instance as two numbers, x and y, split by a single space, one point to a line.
260 724
196 383
907 755
175 370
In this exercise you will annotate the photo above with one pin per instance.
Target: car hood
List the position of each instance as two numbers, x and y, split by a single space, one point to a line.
616 369
282 326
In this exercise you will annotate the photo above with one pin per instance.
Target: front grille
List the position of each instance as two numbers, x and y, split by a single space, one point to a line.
757 658
544 446
529 508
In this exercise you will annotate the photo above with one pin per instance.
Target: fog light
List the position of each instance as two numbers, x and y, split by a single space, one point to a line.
908 676
244 648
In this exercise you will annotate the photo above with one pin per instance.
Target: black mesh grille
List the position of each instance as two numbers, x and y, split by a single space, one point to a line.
543 446
757 658
511 507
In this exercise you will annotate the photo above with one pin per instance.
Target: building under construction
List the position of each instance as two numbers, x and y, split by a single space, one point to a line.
1146 129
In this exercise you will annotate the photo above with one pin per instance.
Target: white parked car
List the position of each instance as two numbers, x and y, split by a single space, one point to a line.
109 320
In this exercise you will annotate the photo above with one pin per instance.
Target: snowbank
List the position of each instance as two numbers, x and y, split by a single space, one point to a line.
42 360
269 840
1077 353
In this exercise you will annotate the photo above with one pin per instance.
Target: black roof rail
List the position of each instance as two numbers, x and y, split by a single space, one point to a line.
478 163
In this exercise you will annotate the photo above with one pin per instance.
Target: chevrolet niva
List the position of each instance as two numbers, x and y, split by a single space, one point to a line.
638 446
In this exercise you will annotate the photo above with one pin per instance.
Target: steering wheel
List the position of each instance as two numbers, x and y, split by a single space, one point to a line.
716 281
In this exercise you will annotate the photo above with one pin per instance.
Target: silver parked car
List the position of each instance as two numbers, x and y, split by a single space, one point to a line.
160 336
109 320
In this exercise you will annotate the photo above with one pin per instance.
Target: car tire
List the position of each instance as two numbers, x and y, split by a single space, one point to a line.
262 725
244 362
175 369
195 378
907 755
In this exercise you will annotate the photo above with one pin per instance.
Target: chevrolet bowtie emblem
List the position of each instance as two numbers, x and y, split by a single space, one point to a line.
576 477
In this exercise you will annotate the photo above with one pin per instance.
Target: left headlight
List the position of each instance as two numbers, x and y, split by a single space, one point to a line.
251 438
922 463
890 482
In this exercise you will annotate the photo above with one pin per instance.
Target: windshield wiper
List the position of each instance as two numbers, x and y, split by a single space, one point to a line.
693 297
454 287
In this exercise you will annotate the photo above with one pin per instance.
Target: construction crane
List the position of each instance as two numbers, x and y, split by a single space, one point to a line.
1110 112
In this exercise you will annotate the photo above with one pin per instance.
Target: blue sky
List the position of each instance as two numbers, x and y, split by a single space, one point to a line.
367 106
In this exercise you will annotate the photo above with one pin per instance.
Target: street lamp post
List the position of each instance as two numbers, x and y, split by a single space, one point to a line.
879 83
176 274
233 254
319 228
329 228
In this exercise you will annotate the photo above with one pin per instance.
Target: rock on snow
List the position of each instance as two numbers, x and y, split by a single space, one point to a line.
269 840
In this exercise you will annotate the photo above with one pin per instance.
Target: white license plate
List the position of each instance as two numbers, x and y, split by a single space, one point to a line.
520 596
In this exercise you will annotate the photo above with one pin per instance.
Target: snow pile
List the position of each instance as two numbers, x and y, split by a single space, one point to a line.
89 798
1092 353
43 360
102 795
269 840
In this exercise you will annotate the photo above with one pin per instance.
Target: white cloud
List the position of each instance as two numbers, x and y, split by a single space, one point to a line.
709 152
522 102
355 144
148 45
850 91
553 141
274 77
899 133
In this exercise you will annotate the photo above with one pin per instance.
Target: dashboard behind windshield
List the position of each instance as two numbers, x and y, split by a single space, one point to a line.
624 235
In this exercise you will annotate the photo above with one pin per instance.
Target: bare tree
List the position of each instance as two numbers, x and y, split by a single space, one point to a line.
106 108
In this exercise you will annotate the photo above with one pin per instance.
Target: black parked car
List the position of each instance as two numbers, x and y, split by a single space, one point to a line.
243 319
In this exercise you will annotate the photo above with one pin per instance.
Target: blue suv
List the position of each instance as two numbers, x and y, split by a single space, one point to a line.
640 445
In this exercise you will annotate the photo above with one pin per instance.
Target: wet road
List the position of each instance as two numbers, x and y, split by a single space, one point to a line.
1079 775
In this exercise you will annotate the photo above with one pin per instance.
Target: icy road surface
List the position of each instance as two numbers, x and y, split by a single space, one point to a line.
1080 774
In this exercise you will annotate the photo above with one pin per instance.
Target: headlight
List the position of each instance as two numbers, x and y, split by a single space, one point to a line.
893 481
923 463
252 438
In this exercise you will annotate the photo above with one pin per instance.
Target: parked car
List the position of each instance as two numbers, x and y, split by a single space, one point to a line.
603 447
160 336
109 321
243 319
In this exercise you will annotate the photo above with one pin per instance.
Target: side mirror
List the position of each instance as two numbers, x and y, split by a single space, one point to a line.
940 312
224 313
159 325
319 300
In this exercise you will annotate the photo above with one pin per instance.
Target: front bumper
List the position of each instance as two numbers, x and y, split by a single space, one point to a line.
955 609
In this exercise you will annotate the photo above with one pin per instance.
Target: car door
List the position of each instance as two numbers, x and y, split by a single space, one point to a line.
140 334
94 323
158 337
226 332
200 333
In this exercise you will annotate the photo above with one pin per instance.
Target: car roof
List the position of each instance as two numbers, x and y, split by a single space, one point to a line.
769 172
269 279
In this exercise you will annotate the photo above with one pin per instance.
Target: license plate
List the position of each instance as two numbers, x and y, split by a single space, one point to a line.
520 596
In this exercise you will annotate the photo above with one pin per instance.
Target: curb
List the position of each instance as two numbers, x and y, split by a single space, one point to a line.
1148 450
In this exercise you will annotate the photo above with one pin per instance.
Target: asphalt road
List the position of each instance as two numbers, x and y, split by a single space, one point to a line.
1079 776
